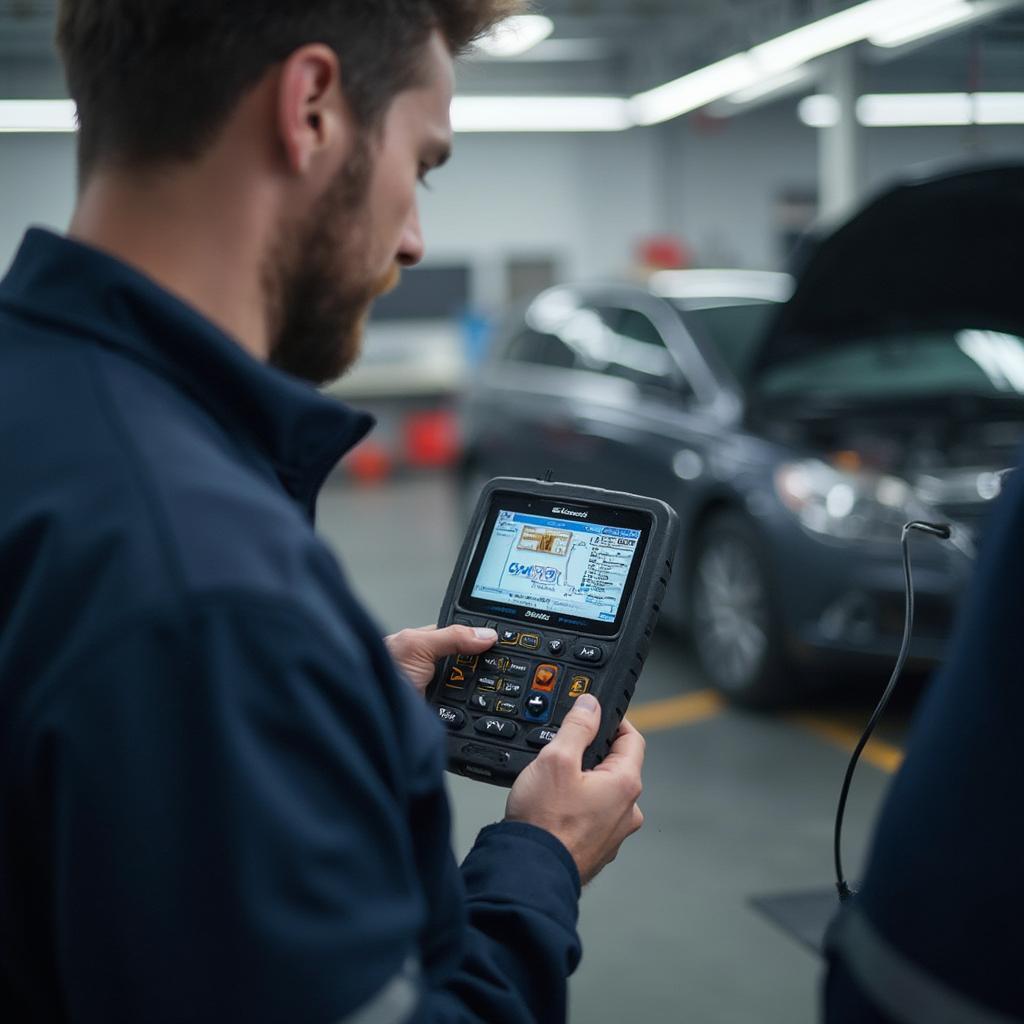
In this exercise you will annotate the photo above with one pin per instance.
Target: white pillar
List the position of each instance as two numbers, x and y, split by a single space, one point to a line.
840 162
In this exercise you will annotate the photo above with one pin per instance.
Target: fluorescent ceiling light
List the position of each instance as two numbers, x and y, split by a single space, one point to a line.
770 86
843 29
553 51
909 110
540 114
777 57
819 111
37 116
516 35
469 114
946 17
694 90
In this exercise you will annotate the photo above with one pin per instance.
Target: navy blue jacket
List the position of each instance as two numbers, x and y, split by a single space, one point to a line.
219 801
938 920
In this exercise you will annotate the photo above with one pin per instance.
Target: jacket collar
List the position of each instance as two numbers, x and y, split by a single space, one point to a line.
71 285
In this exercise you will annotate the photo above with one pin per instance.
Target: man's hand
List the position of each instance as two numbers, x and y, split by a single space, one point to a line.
417 651
590 812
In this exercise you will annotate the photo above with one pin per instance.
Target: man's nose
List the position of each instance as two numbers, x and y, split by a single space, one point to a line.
410 249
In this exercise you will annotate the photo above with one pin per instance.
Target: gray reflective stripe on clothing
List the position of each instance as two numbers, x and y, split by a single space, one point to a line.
395 1003
898 986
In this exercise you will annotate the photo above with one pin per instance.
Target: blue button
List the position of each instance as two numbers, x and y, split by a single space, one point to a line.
537 708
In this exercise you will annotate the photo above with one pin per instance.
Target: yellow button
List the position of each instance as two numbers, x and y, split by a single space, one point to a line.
579 685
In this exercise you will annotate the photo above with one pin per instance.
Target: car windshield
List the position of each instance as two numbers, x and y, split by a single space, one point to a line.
733 329
923 363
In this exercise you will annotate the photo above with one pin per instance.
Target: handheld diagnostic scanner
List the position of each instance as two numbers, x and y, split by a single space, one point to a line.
573 579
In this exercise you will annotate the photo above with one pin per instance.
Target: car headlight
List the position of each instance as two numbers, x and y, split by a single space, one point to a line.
846 504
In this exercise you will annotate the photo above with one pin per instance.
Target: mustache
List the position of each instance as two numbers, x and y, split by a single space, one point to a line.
388 282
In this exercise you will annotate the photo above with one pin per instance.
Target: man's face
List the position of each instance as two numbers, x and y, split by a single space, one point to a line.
323 275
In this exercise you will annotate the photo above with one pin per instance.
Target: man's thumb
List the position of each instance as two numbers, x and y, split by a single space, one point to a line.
580 726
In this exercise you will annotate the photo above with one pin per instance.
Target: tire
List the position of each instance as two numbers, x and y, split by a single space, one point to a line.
734 623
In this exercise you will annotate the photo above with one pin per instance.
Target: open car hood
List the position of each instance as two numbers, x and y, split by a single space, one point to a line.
939 252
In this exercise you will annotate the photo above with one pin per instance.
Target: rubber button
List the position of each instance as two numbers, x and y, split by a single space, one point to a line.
587 652
481 702
494 662
531 641
516 668
451 717
556 646
509 636
510 687
541 736
487 683
500 728
579 685
456 679
482 752
545 678
538 707
506 707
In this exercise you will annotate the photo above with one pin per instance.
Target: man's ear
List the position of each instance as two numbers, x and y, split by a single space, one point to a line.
313 119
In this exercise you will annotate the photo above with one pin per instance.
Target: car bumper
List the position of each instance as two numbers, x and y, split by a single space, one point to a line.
844 604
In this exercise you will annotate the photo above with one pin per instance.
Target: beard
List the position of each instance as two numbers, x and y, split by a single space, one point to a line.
318 297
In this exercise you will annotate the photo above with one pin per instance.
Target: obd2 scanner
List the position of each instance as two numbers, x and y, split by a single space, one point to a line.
573 579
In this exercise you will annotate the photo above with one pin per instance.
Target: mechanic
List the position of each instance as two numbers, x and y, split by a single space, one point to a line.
933 937
221 798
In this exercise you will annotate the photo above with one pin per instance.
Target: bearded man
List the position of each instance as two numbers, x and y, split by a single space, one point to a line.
221 798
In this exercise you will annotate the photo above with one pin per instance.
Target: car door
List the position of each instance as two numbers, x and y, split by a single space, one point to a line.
524 417
650 445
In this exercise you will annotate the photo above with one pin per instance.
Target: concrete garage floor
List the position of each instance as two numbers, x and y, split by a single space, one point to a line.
737 805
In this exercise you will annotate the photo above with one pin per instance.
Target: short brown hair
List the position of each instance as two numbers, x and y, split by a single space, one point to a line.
155 79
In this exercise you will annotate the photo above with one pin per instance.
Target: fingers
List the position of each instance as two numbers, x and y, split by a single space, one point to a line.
439 643
577 731
627 751
636 820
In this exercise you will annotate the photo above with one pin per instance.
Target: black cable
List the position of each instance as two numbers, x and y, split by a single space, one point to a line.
936 530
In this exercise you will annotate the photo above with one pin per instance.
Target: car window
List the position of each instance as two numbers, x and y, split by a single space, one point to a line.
631 347
733 330
921 363
530 346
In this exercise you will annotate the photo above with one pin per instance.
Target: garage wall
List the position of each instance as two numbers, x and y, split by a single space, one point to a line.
37 186
731 174
583 199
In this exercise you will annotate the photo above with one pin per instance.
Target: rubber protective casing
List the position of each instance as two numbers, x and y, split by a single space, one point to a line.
475 757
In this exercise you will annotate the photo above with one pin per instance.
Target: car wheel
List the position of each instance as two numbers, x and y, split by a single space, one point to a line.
733 621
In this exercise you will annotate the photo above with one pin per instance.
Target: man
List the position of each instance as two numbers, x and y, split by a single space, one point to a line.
219 798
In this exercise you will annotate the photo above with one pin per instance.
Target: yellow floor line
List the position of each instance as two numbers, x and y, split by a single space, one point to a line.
885 756
685 710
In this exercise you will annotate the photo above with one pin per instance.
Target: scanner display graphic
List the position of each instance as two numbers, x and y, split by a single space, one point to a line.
557 565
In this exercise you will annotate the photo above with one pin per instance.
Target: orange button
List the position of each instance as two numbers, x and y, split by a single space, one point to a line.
456 678
545 678
579 685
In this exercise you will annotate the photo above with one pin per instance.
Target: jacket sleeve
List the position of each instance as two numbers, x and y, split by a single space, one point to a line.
234 832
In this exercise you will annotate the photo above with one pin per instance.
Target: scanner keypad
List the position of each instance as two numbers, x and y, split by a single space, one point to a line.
528 676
